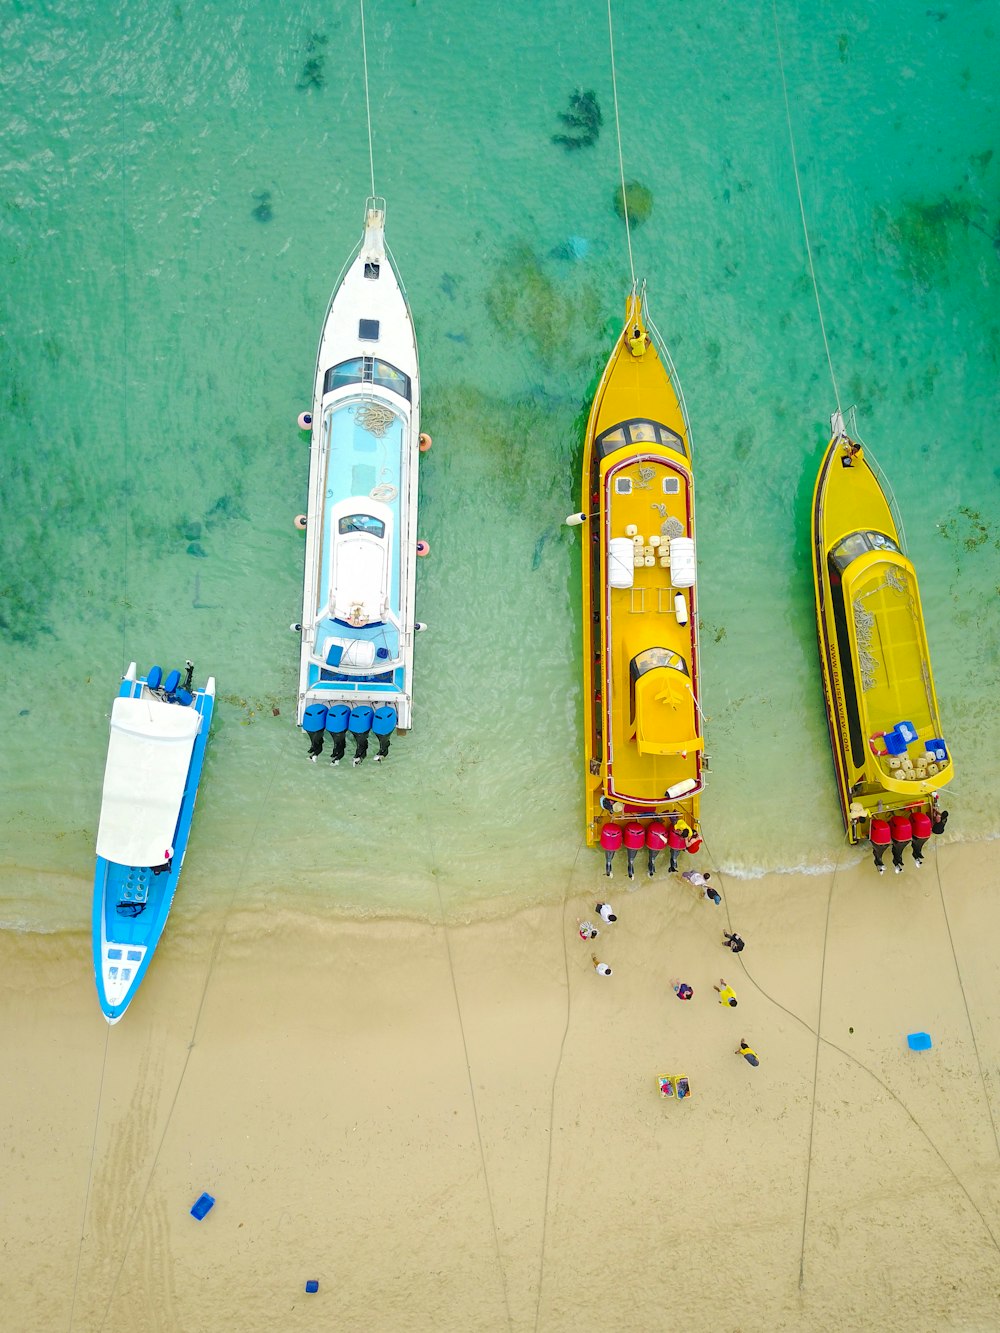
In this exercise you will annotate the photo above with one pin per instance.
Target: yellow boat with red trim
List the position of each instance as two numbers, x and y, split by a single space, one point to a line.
643 739
885 725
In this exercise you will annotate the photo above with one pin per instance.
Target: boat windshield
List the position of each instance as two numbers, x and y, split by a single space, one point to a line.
656 657
367 370
638 432
362 523
858 544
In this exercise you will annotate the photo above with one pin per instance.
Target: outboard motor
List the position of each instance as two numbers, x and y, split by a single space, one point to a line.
314 719
635 840
611 840
360 725
383 725
154 679
337 719
170 685
656 841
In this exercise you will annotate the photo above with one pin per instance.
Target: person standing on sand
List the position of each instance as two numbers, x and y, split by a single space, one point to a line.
748 1053
726 993
604 911
587 930
600 968
733 942
682 990
938 821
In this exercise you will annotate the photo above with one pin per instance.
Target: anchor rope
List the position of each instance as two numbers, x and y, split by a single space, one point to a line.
618 132
552 1094
802 209
368 105
262 808
90 1177
443 917
852 1059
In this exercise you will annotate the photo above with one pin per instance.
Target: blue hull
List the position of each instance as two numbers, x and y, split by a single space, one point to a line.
123 942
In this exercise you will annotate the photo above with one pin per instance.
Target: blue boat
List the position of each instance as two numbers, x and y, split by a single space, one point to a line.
357 629
159 731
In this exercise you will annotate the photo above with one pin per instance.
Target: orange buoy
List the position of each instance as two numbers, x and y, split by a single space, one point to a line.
423 548
300 522
425 442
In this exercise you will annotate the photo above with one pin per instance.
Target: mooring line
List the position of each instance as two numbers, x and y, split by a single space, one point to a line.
216 946
812 1113
555 1079
853 1059
618 132
472 1089
965 1001
368 105
802 209
90 1176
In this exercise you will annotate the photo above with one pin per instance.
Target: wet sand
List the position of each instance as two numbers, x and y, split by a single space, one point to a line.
458 1127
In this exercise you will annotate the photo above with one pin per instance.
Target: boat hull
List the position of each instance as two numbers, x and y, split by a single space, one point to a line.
130 902
874 658
358 627
643 742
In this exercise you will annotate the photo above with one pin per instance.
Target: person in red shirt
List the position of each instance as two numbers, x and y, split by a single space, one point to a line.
902 832
881 837
921 832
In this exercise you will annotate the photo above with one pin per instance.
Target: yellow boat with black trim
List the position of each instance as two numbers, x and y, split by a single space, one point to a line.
642 719
885 727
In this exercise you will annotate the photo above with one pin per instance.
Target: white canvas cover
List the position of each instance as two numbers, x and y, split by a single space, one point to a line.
149 755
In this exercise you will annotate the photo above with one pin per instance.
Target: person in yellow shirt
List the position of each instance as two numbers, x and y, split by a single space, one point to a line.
748 1053
726 993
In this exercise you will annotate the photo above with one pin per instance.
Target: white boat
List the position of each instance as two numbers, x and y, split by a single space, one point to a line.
357 628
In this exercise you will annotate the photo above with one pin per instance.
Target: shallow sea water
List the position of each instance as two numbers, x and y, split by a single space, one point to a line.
180 189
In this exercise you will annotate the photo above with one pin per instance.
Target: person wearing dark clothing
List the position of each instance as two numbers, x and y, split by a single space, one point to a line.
881 837
902 832
938 821
733 941
921 832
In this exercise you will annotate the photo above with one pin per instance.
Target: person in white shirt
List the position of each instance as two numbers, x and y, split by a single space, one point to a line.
600 968
605 912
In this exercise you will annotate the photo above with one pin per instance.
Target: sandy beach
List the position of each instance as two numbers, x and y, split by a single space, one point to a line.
457 1125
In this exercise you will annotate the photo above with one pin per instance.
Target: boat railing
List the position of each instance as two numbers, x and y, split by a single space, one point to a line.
880 476
671 369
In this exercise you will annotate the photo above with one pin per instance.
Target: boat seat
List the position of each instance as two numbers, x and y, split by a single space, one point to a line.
337 652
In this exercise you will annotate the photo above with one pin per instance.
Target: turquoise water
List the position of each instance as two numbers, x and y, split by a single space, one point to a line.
181 186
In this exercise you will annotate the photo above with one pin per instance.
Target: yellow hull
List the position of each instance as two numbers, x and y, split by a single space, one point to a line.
885 727
642 721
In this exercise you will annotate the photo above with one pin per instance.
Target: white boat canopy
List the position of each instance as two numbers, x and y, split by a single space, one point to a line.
148 760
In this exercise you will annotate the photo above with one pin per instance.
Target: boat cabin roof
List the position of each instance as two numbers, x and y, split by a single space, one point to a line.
149 756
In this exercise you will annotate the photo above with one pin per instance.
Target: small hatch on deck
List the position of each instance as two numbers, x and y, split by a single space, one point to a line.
371 269
623 485
368 330
671 485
